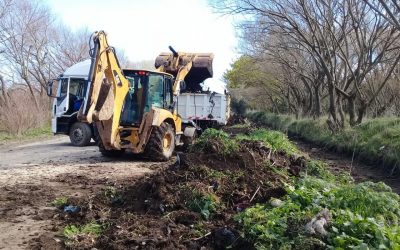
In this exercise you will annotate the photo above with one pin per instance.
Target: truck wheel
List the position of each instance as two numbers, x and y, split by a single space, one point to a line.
80 134
161 144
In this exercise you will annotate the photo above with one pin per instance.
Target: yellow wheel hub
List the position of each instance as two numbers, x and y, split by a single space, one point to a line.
167 141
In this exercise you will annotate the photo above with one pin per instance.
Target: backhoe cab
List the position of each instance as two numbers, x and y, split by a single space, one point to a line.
135 110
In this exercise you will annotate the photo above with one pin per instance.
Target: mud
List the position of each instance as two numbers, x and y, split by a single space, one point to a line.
33 175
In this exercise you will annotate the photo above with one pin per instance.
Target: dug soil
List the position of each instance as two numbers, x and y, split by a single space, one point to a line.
190 203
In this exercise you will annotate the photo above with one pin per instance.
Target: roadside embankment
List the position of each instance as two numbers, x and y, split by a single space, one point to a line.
376 141
31 134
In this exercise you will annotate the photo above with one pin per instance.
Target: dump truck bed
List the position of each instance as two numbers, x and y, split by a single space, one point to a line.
211 107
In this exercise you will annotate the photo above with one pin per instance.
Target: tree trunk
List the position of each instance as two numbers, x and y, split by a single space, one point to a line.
342 120
333 124
352 110
362 110
317 102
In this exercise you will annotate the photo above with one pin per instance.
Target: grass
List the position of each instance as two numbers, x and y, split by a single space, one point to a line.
30 134
376 141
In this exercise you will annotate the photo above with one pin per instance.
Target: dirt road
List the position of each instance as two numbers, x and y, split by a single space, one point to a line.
32 175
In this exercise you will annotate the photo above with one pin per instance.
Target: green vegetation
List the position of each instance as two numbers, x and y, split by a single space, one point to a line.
82 237
93 228
216 141
376 141
322 210
28 135
205 205
358 216
274 139
60 202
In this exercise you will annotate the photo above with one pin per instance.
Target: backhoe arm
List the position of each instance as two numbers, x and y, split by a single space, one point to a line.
106 91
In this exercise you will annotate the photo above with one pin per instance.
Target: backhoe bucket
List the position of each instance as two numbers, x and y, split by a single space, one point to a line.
200 71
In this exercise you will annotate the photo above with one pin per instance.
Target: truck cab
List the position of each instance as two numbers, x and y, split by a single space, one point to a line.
69 94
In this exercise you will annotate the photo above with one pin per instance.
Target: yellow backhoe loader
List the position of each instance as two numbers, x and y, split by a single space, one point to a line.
136 110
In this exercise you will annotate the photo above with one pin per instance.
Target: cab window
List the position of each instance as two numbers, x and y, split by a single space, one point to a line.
168 92
156 90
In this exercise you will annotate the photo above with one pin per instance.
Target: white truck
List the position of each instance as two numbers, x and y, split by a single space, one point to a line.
71 89
204 109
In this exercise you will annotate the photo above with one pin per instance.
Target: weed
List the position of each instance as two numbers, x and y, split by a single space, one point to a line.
60 202
111 192
216 174
203 204
216 141
82 237
364 215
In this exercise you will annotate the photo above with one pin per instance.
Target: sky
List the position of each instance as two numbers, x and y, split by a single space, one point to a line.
144 28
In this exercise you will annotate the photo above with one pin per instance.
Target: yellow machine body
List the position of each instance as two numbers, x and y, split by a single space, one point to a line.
108 88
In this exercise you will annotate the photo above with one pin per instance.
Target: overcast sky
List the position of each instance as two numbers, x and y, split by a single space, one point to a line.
143 29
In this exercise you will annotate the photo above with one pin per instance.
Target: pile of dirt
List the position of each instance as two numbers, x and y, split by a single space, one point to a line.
190 203
236 119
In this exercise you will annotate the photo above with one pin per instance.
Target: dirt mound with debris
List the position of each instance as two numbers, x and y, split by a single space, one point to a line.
236 119
191 203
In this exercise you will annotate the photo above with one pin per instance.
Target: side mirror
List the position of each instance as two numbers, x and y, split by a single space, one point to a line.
50 88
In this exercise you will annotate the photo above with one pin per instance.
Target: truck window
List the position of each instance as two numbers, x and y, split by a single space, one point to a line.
156 90
76 87
168 92
63 87
133 106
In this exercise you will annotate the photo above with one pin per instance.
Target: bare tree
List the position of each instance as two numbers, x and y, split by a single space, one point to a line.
323 47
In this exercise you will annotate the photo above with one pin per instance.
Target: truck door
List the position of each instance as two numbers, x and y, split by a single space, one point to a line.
62 100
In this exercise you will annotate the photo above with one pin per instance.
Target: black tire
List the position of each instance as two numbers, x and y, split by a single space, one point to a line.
110 153
102 149
161 144
80 134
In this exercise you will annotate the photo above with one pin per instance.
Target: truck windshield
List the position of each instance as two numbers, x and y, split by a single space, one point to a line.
77 87
145 91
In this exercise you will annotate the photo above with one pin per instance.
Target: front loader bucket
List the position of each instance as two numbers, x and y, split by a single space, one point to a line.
200 71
